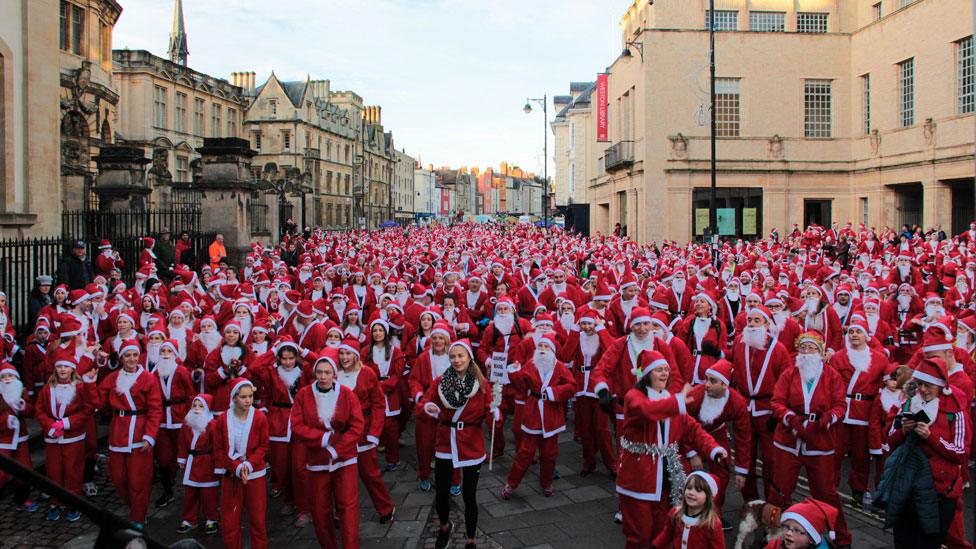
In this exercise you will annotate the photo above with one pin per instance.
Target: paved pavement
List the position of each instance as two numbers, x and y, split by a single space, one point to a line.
578 515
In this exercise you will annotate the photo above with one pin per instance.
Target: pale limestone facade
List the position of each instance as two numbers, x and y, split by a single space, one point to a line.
574 129
889 149
403 194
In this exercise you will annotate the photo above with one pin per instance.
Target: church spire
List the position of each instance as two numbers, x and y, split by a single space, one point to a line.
177 37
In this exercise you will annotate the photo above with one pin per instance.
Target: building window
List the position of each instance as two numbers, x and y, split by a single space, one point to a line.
65 30
198 106
876 11
964 76
727 107
179 124
866 102
767 21
816 108
328 182
725 20
286 140
906 93
182 169
106 42
77 30
231 122
811 22
159 107
903 3
347 154
257 141
347 184
273 103
864 210
215 120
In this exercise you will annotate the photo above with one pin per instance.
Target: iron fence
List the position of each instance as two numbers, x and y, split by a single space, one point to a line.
88 225
258 215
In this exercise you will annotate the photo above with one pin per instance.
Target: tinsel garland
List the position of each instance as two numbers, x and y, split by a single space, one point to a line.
676 469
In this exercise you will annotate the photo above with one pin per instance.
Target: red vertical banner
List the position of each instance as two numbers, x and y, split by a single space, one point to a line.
602 117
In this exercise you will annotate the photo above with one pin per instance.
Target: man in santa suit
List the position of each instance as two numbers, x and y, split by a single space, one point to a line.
817 315
681 293
305 329
177 389
699 330
582 352
622 306
758 361
844 305
878 328
905 272
783 328
14 409
337 306
107 259
903 308
473 301
560 285
861 369
498 275
135 398
197 350
195 457
716 407
729 307
327 419
528 297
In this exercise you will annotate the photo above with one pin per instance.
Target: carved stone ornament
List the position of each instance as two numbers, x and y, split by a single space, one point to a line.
679 146
875 140
928 130
775 147
159 166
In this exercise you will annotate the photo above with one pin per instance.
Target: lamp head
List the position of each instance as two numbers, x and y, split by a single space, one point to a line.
527 109
626 53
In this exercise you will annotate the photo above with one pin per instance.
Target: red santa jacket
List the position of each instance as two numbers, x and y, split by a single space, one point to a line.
331 445
735 411
714 334
230 463
389 371
459 437
13 427
366 385
76 413
136 413
36 372
615 371
683 532
424 373
883 412
218 377
528 300
544 412
582 353
177 392
283 385
195 451
620 317
806 423
755 372
829 326
861 386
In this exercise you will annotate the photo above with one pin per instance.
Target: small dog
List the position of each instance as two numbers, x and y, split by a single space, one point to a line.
758 524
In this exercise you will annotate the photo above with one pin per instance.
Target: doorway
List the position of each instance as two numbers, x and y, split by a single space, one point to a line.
817 211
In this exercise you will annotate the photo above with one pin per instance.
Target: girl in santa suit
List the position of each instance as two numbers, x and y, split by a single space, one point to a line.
884 409
655 421
366 384
352 323
261 344
14 408
227 362
387 362
63 409
286 455
195 457
548 386
125 330
36 373
431 364
419 338
177 389
135 399
240 442
327 419
180 332
807 525
460 401
696 523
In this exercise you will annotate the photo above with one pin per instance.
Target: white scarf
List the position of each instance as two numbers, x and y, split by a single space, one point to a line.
126 380
347 378
439 364
229 353
712 407
289 377
891 399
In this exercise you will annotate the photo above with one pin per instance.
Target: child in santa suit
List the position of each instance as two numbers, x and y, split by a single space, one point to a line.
655 421
195 457
809 524
135 399
63 409
387 362
696 523
327 419
430 365
176 385
240 442
14 408
548 386
890 400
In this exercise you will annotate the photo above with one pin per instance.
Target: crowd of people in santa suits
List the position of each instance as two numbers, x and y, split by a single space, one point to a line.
288 379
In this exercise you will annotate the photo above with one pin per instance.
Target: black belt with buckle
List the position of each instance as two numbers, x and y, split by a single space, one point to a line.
125 413
765 396
813 417
169 403
860 396
459 425
198 453
281 404
586 368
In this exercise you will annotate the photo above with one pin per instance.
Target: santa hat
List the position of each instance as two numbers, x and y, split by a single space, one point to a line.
465 343
659 299
649 360
418 291
934 371
65 357
627 280
721 369
8 368
237 384
261 325
505 300
379 322
233 325
104 244
710 480
172 344
70 326
285 342
443 328
662 319
159 328
543 319
816 517
764 312
351 344
588 316
148 242
937 337
547 339
209 319
305 309
129 345
603 292
860 325
639 314
293 297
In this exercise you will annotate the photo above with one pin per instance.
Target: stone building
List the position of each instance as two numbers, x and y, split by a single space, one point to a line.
828 110
574 129
403 193
377 151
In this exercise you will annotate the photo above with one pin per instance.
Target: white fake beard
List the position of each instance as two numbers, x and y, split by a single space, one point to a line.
810 367
903 270
210 340
934 310
166 367
712 407
779 321
125 381
558 288
152 352
289 377
303 276
260 348
962 340
340 308
449 314
228 353
13 392
904 301
732 295
754 336
678 285
353 330
64 393
567 320
504 323
812 304
197 420
245 325
544 360
402 297
860 360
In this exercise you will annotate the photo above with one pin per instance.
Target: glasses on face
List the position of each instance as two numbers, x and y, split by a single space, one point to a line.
795 530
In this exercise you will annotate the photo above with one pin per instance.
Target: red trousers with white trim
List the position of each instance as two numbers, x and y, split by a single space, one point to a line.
335 493
853 440
549 452
762 443
132 476
64 464
594 432
288 473
198 499
642 520
369 472
235 497
820 477
425 436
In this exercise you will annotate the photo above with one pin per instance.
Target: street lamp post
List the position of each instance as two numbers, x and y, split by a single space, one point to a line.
545 151
712 212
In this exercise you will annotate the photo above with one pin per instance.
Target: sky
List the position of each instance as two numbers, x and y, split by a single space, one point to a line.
452 76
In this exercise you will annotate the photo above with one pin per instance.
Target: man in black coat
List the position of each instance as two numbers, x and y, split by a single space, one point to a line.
165 256
75 269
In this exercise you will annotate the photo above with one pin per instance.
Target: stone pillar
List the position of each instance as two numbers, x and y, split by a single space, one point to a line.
160 180
936 204
121 181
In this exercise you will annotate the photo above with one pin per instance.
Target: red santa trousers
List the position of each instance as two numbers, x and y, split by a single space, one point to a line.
369 472
235 497
390 437
132 476
197 500
65 465
594 432
335 494
820 476
642 520
425 433
288 473
762 439
526 451
164 450
853 439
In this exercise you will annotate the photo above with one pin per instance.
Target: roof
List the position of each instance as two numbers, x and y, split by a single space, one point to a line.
579 86
584 97
562 99
295 91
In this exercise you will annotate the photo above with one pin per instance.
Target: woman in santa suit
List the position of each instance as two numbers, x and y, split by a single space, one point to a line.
227 362
697 330
460 401
808 402
655 421
431 364
240 446
366 384
63 409
134 397
327 419
14 408
177 389
420 336
387 362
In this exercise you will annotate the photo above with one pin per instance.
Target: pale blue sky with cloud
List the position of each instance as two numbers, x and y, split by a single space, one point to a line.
451 75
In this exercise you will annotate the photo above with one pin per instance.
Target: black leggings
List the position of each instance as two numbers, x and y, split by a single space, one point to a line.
443 473
908 533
